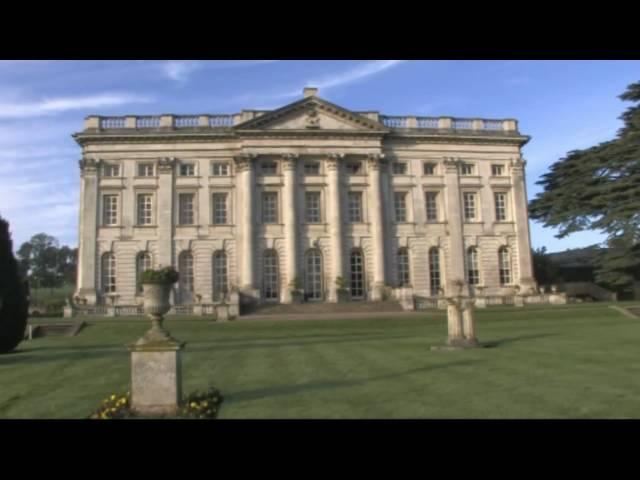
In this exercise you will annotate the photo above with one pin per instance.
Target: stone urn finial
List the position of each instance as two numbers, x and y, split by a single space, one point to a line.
156 287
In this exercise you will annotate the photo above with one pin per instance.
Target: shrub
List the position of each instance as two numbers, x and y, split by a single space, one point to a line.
164 276
14 305
197 405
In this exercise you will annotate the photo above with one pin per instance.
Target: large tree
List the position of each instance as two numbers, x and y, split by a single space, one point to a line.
13 295
599 189
45 263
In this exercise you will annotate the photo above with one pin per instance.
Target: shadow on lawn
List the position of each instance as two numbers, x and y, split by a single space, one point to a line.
508 340
261 393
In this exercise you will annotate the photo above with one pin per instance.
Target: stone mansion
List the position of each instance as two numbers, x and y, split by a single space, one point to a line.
258 201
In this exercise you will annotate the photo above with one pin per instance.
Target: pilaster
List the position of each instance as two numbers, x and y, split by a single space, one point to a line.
525 268
88 226
375 162
289 164
334 218
165 196
245 202
455 277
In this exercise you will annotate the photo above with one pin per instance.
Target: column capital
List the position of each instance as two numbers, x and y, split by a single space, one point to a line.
166 165
451 164
244 161
289 161
517 165
375 160
333 161
89 165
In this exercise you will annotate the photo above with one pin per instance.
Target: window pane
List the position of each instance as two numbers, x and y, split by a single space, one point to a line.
355 207
270 275
312 168
469 206
143 263
219 208
399 201
145 209
432 206
108 273
399 168
429 168
434 271
220 169
269 168
220 285
497 170
357 274
186 206
312 205
110 210
187 169
501 206
473 273
270 207
403 267
145 169
354 167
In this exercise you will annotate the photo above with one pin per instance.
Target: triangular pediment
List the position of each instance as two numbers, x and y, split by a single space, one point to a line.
312 114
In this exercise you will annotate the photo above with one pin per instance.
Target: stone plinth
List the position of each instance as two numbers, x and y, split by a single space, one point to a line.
156 377
222 313
461 327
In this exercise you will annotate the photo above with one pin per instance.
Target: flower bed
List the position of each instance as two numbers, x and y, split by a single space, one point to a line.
197 405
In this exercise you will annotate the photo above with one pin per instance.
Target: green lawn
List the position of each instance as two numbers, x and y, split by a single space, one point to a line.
578 361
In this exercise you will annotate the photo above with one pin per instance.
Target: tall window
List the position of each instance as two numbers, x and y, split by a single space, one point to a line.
400 206
432 206
353 168
312 206
504 263
108 273
145 169
466 169
473 272
399 168
403 267
111 170
143 263
312 168
469 200
220 169
355 207
269 207
429 168
220 281
219 208
434 271
313 275
269 168
501 206
187 169
110 210
186 214
145 209
270 278
357 274
497 170
185 281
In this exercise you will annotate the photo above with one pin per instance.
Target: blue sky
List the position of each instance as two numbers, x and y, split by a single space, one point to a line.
563 105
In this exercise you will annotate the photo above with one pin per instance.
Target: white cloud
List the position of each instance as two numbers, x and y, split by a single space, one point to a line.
354 74
180 71
52 106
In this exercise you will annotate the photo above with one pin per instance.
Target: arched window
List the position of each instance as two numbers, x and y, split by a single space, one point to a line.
434 271
220 282
270 277
185 282
108 273
504 263
313 275
143 262
403 267
473 272
357 273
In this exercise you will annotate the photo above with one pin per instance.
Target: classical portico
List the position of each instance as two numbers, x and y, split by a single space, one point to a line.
262 201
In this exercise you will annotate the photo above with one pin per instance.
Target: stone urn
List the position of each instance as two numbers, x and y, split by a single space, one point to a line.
156 290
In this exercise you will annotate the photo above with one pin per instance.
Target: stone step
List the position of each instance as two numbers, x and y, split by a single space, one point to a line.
54 329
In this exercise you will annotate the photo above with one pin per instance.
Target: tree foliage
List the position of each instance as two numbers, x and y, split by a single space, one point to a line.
45 263
13 295
599 189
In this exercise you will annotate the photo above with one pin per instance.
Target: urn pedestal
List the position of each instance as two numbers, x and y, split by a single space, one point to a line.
156 376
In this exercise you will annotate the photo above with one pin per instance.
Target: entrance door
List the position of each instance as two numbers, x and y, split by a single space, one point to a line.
357 275
313 275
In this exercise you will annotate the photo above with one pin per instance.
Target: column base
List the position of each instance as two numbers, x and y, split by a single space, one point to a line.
378 292
458 344
88 294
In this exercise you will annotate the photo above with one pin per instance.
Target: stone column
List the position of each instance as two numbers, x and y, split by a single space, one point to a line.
521 217
289 215
454 321
469 322
88 224
165 222
455 283
377 226
334 218
245 184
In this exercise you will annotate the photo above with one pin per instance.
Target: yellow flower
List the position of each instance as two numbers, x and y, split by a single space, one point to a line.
193 405
113 397
205 404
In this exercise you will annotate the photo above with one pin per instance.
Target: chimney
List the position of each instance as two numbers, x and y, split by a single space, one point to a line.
309 92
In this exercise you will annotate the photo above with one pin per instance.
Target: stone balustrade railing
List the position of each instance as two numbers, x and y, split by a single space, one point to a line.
226 121
449 123
160 121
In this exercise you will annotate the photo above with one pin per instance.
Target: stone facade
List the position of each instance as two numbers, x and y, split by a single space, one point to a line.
309 192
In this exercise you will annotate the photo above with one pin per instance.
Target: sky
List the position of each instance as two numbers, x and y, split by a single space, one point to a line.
562 105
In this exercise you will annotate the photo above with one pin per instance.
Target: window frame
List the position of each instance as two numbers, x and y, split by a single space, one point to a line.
264 204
